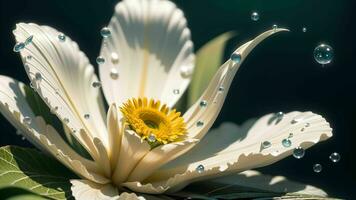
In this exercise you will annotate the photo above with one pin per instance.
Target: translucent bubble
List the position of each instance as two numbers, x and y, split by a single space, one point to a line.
298 152
62 37
266 144
114 74
274 27
200 123
176 91
151 138
335 157
235 57
203 104
255 16
304 29
200 168
286 142
105 32
86 116
19 46
100 60
96 84
29 40
317 168
323 54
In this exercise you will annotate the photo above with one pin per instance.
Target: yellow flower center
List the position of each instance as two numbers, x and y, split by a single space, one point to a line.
154 122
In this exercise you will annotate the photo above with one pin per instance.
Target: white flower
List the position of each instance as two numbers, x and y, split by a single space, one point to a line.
140 143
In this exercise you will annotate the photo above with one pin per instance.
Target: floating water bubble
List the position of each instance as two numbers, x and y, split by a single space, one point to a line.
304 29
38 76
323 54
221 89
105 32
266 144
29 40
114 74
317 168
298 152
19 46
186 71
274 27
61 37
200 123
114 58
100 60
255 16
200 168
96 84
235 57
151 138
86 116
176 91
203 104
335 157
286 142
27 120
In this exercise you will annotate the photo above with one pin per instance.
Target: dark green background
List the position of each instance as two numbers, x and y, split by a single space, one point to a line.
280 74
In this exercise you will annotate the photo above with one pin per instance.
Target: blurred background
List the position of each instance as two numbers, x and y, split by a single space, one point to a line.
279 75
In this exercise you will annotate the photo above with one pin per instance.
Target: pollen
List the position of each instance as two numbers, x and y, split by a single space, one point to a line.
153 121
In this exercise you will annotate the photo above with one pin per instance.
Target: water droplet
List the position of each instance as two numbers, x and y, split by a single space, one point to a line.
307 124
32 85
114 58
203 104
186 71
86 116
302 129
200 168
38 76
61 37
27 120
274 27
298 152
29 40
317 168
304 29
255 16
286 142
266 144
105 32
221 89
200 123
54 110
175 91
294 121
19 46
235 57
114 74
290 135
66 120
151 138
335 157
28 57
323 54
100 60
96 84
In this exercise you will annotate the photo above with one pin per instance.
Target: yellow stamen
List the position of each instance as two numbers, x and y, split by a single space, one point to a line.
151 119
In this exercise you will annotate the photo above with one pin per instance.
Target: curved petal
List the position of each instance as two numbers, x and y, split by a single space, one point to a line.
84 189
63 77
149 44
14 107
230 148
115 134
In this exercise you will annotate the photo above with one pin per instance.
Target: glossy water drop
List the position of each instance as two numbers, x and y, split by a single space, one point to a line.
66 120
274 27
335 157
294 121
236 58
114 58
317 168
200 123
19 46
29 57
27 120
203 104
200 168
266 144
29 40
186 71
114 74
304 29
298 152
38 76
105 32
323 54
86 116
221 89
307 124
61 37
175 91
290 135
100 60
151 138
286 142
255 16
96 84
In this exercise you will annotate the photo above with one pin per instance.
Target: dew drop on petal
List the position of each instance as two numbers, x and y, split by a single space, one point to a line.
221 89
307 124
203 104
200 168
27 120
114 58
86 116
266 144
255 16
19 46
200 123
114 74
38 76
100 60
61 37
105 32
151 138
286 142
186 71
29 40
298 152
335 157
29 57
236 58
274 27
323 54
66 120
317 168
96 84
290 135
176 91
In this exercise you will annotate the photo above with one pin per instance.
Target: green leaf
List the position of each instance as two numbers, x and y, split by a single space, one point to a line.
208 60
33 171
12 193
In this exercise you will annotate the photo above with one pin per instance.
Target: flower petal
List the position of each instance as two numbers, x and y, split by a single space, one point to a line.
132 150
115 134
152 42
63 77
14 107
231 149
84 189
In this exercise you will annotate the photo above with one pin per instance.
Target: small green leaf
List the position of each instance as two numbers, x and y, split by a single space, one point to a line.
33 171
208 60
12 193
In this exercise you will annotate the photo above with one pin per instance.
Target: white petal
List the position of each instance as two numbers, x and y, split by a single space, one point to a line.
152 42
14 107
231 149
132 150
84 189
277 184
66 79
115 132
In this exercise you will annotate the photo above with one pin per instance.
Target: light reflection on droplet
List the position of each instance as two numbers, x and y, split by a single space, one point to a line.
317 168
335 157
298 152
